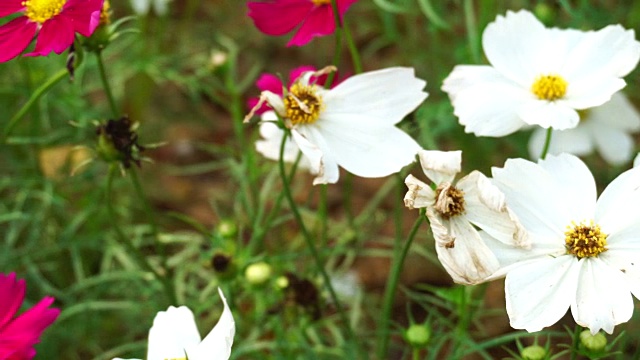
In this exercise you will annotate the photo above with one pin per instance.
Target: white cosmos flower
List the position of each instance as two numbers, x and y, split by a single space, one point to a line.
454 210
606 128
539 76
585 254
353 124
142 7
174 335
269 144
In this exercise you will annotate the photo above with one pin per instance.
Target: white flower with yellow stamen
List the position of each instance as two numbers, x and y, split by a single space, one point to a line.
353 124
174 335
539 76
607 128
585 254
453 210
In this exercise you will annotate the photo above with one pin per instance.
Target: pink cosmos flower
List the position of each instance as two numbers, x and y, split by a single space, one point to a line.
314 17
18 334
54 21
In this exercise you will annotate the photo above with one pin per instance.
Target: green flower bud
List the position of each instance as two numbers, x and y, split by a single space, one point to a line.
593 343
258 273
534 352
418 335
227 229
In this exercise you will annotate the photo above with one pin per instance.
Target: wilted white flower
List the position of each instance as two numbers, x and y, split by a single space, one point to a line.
539 76
453 210
353 124
174 335
585 253
607 128
142 7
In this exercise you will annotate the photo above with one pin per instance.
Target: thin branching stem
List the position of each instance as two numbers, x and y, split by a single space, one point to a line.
106 86
547 143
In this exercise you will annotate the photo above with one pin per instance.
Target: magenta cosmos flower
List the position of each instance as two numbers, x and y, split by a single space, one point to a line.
278 17
54 21
18 334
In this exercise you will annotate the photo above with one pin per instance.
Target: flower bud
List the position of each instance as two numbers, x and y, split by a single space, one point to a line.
258 273
418 335
593 343
227 229
534 352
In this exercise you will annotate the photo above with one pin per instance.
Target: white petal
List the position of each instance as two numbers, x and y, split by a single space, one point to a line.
385 96
619 204
625 260
173 331
576 141
549 196
618 113
269 146
603 298
615 146
555 114
440 166
141 7
464 76
320 159
486 208
461 250
419 194
275 101
515 44
368 151
161 7
539 293
636 161
587 93
488 107
217 344
611 51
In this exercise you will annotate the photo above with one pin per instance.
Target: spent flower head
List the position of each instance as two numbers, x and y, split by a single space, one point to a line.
454 212
539 76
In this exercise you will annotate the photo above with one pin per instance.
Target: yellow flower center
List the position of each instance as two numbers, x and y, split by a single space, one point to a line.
549 87
585 240
105 13
302 104
42 10
449 201
321 2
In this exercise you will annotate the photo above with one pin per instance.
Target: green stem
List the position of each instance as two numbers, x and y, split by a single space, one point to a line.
353 50
473 36
415 354
106 86
399 256
37 94
576 342
312 249
338 51
547 143
126 241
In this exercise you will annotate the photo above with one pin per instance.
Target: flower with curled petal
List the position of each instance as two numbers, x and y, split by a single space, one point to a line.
453 210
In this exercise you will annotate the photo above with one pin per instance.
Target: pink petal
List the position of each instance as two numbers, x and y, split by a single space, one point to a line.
15 36
56 35
269 82
24 331
278 17
320 22
11 296
8 7
343 6
84 15
295 73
